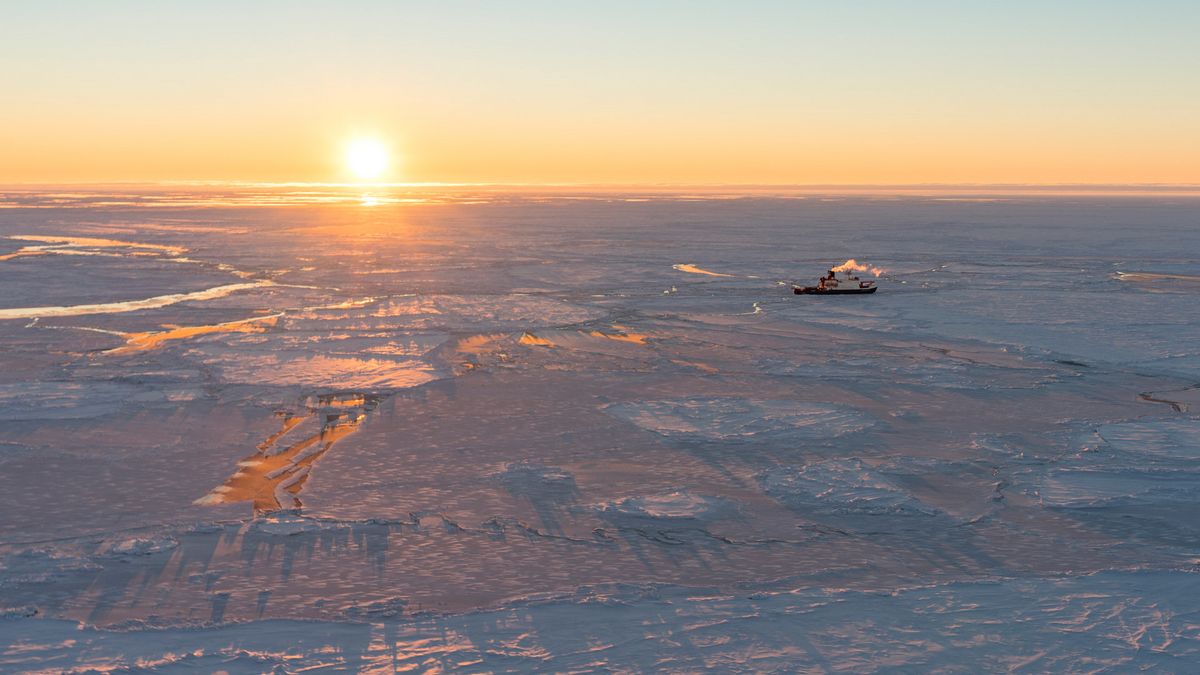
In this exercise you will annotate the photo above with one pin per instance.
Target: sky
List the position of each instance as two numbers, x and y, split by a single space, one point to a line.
620 92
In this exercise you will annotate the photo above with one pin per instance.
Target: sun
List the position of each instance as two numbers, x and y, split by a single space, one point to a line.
367 158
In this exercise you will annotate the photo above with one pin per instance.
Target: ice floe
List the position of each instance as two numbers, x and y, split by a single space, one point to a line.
69 400
1166 439
1135 621
533 478
1136 462
844 486
42 566
289 525
140 546
1089 487
732 419
466 312
22 612
681 505
154 302
289 368
913 480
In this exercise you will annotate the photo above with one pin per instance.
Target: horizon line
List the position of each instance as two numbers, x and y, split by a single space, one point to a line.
605 185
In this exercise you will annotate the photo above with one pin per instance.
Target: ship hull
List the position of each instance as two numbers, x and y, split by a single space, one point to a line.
813 290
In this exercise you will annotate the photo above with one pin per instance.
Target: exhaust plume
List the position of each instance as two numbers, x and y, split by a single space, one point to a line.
853 265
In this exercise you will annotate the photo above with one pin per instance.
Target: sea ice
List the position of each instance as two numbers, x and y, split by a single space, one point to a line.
63 400
841 486
566 430
673 505
729 419
141 546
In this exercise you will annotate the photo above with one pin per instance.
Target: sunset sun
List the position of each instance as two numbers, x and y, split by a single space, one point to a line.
367 158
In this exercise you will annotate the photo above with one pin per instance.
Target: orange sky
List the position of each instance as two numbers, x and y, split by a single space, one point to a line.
622 92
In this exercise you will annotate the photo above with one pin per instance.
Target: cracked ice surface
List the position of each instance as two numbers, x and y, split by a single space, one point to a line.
527 432
728 419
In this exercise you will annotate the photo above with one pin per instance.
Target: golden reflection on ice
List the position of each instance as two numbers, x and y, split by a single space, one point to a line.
623 335
23 252
528 338
67 245
93 242
136 342
702 367
696 270
313 312
478 344
273 477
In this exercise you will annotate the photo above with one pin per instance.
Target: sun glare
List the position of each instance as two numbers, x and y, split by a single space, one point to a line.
366 158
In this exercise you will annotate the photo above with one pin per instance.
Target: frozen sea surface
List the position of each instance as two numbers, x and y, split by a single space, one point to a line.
253 429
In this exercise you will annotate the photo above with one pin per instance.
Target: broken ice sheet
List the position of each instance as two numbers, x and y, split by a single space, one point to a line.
841 486
477 432
730 419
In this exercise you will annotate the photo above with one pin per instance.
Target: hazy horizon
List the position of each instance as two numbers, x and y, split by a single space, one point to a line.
1083 187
